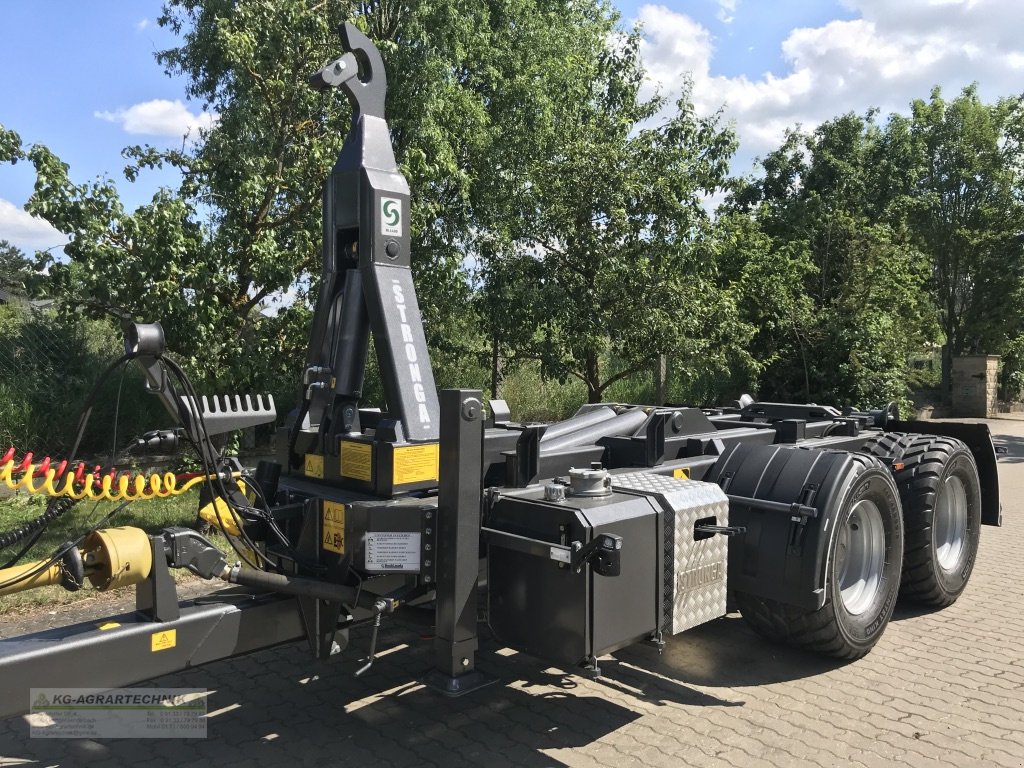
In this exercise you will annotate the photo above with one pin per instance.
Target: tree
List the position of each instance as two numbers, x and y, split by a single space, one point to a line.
969 218
834 203
596 275
466 79
766 280
19 274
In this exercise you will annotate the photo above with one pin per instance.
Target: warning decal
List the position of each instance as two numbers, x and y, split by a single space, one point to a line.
161 641
357 460
334 527
314 466
416 464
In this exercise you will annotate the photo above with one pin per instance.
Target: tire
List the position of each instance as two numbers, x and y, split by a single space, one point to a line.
941 496
862 573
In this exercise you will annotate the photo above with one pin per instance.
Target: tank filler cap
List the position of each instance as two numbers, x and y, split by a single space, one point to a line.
590 482
554 492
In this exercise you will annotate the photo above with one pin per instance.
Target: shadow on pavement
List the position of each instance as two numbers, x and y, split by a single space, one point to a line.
1014 448
265 711
723 654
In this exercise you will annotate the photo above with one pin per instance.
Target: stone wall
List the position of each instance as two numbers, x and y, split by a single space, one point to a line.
975 383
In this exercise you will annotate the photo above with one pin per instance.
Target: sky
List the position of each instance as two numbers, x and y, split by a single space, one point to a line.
81 77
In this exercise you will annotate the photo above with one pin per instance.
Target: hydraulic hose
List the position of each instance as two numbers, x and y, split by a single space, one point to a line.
94 485
54 510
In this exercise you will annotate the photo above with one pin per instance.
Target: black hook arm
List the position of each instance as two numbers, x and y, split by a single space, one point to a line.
359 73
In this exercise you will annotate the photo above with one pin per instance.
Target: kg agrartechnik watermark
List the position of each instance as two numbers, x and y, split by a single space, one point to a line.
120 713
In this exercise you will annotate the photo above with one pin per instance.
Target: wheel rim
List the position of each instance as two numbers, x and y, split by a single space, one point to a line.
860 557
949 529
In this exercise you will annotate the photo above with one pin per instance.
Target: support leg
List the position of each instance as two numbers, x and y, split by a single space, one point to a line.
458 543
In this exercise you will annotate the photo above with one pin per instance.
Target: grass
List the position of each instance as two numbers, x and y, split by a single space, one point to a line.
19 509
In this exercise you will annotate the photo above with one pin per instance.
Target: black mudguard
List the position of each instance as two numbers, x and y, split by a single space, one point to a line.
978 438
784 556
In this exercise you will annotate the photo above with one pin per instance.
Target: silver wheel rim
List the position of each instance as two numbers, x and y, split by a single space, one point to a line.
949 529
860 557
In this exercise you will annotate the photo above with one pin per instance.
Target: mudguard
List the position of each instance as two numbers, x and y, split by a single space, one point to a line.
783 555
978 438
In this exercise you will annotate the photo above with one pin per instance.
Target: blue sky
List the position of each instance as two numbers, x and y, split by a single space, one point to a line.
81 77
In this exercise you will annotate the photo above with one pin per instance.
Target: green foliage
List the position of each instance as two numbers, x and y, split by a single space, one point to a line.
600 259
968 217
48 365
1011 374
531 397
151 516
558 227
21 275
840 275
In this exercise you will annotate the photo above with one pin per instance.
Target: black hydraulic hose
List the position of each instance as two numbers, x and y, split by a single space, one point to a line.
62 550
90 401
54 509
214 480
291 585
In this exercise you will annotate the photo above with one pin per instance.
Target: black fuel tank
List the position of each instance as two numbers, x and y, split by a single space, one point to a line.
547 609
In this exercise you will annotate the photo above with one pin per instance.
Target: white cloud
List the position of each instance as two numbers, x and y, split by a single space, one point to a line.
26 231
727 10
892 54
142 24
160 117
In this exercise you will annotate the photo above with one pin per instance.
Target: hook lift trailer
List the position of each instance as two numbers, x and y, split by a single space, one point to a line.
619 525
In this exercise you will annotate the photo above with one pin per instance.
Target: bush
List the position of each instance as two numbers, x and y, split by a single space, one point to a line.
531 397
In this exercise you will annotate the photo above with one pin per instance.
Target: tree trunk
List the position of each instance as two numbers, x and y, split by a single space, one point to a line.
594 390
495 368
947 373
660 374
949 349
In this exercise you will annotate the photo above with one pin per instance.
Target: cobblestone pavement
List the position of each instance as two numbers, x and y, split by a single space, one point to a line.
941 688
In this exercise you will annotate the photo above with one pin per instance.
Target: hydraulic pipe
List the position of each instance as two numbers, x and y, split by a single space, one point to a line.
624 424
576 423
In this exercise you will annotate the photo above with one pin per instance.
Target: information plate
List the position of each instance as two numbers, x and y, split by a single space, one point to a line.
393 551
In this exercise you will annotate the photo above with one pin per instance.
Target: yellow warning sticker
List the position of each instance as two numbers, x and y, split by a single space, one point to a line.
416 464
161 641
683 473
334 527
314 466
108 625
356 460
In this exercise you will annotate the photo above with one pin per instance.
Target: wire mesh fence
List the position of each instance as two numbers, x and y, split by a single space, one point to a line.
49 363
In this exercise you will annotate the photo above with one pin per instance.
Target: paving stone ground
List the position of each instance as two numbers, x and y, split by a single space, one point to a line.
941 688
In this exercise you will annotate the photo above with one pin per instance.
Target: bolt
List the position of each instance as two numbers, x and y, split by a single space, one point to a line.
426 563
429 515
426 547
471 409
428 531
465 662
426 579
